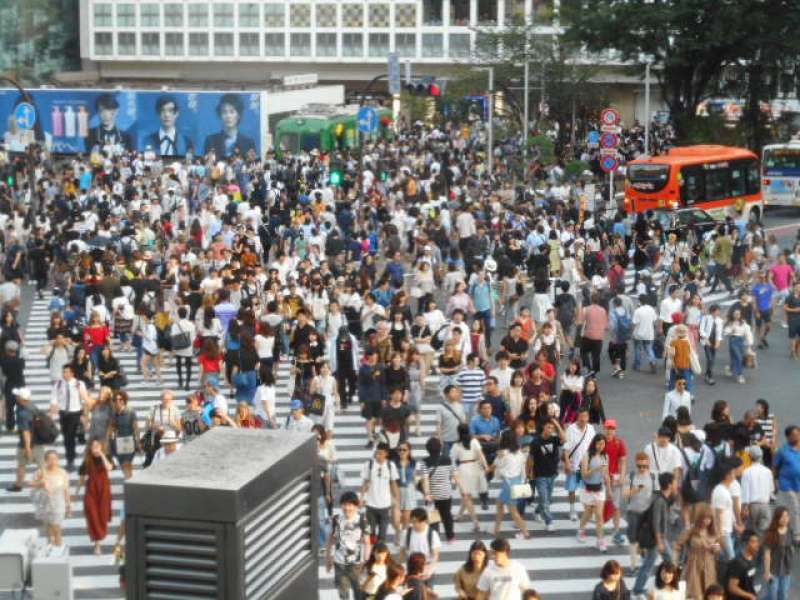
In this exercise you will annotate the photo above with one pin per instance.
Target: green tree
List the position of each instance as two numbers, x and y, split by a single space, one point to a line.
691 42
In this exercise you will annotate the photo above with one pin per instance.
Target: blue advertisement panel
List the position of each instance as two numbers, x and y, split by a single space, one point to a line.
167 123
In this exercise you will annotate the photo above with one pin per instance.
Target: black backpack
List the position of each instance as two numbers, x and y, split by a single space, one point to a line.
44 430
645 533
430 538
691 486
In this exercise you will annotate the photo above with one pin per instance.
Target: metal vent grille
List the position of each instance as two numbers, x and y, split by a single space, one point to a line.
181 562
277 538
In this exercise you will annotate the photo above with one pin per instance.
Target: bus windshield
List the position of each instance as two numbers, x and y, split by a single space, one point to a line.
648 178
782 161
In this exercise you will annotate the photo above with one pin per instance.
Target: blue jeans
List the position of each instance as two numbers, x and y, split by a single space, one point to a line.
779 588
323 521
640 346
728 550
648 564
544 495
97 352
687 374
736 349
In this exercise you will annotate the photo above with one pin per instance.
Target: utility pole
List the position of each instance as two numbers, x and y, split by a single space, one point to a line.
647 108
490 149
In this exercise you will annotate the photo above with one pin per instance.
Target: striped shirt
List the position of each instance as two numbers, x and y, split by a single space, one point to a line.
440 477
472 383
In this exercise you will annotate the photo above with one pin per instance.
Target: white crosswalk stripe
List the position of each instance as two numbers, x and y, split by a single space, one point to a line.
559 566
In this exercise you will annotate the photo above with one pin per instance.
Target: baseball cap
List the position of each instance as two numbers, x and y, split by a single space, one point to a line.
611 423
296 404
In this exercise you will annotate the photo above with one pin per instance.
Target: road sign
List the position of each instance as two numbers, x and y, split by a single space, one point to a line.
367 119
594 137
615 129
609 163
610 116
394 74
25 115
609 140
608 152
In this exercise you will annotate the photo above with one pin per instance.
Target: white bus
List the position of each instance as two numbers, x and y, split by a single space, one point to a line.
780 172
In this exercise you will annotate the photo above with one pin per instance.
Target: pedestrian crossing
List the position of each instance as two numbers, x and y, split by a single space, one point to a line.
559 565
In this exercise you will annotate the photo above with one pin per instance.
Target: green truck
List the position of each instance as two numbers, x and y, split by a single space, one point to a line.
324 132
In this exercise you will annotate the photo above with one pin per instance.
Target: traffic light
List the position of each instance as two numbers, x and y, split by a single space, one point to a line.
337 173
427 87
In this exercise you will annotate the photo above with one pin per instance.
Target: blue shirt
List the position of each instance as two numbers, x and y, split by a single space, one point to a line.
763 293
86 180
482 296
480 426
787 461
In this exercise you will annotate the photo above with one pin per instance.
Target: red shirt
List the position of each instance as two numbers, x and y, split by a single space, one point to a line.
96 335
210 365
616 451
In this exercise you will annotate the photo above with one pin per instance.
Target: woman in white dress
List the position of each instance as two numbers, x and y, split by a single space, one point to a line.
471 464
51 497
325 383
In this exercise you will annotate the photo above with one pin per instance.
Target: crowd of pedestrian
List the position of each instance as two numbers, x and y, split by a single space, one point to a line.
420 264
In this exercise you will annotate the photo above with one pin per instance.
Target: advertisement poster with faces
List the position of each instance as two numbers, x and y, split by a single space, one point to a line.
165 123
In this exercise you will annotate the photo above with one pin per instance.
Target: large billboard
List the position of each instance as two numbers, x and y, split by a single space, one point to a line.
167 123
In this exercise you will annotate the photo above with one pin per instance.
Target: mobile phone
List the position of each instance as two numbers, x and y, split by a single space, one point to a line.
641 485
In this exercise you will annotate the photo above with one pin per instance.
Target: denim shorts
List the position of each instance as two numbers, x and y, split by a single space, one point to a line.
573 481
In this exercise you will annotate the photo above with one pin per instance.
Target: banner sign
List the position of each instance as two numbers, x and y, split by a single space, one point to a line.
168 123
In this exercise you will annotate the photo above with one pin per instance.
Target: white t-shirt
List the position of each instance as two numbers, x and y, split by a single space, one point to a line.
380 476
721 499
663 460
504 583
644 319
264 401
418 542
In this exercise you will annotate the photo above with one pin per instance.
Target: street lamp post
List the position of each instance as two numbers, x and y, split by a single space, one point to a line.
647 108
526 112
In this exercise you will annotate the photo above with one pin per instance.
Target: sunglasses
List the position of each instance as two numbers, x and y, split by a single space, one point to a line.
403 449
642 466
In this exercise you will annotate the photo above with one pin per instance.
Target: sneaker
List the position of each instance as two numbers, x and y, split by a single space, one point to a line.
711 381
582 537
573 516
621 375
601 545
741 379
619 538
766 344
728 370
652 367
536 517
550 527
785 325
616 372
14 488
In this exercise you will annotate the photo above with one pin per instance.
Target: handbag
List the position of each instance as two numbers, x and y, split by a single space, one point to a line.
434 516
608 509
520 491
182 340
124 445
695 363
121 380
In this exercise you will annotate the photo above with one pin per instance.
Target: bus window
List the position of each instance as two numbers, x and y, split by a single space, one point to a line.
753 177
290 142
648 178
310 141
693 187
717 182
738 179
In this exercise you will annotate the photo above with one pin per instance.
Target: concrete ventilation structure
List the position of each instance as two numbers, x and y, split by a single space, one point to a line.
230 516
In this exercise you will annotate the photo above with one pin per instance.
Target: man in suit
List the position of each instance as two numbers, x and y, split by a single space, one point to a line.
168 141
107 133
230 140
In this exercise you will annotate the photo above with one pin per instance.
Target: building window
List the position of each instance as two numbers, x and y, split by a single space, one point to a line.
459 45
102 43
126 44
150 15
173 15
102 15
326 44
126 15
198 44
378 15
173 44
515 12
198 15
300 15
543 11
405 44
352 15
248 15
223 44
432 45
352 44
326 15
223 15
459 13
274 15
378 44
405 15
151 44
432 12
274 44
487 12
249 44
300 44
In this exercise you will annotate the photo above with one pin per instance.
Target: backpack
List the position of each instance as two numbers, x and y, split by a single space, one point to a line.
645 534
316 405
691 487
44 430
624 327
437 341
430 538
